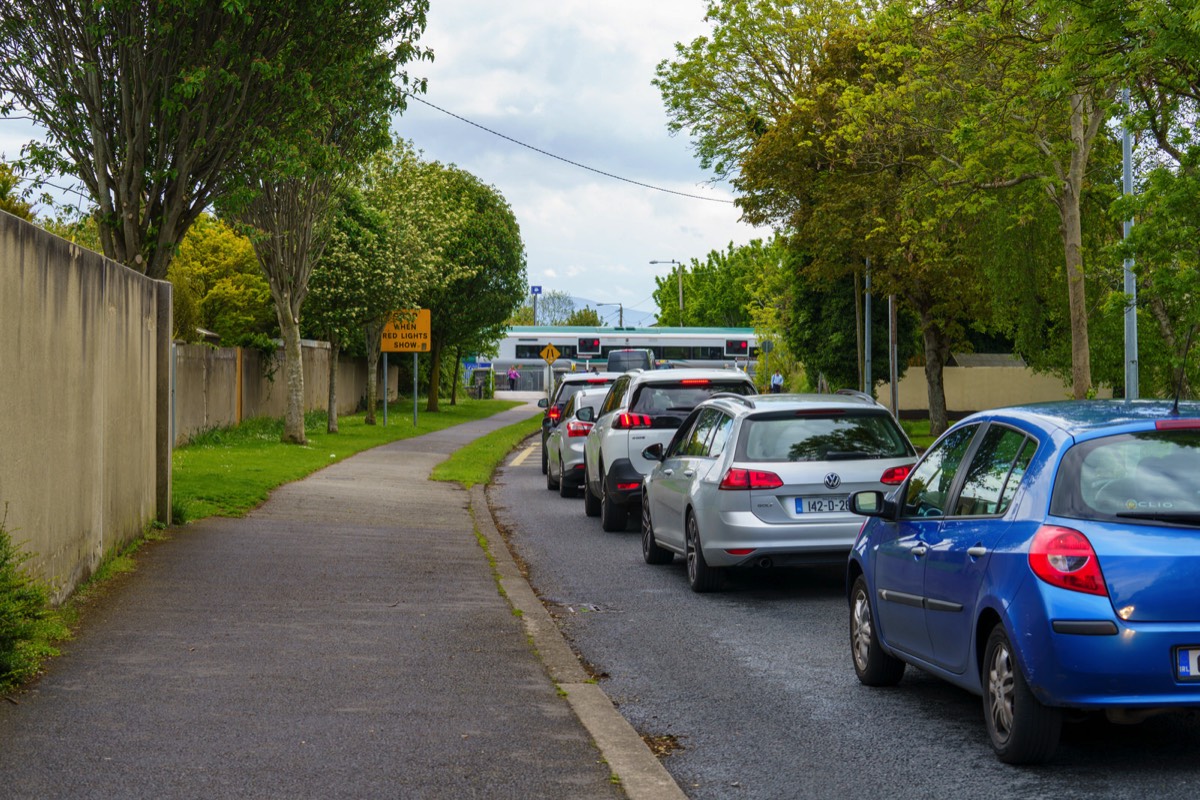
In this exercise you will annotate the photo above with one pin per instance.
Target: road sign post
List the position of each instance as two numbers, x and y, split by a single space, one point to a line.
406 332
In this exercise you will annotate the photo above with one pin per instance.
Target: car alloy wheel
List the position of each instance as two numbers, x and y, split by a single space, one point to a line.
873 666
564 489
701 577
1021 728
651 552
591 503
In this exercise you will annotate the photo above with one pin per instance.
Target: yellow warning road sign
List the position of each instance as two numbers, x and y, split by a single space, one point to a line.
412 336
550 354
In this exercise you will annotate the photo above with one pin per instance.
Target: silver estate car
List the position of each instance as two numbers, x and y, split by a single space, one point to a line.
765 480
564 444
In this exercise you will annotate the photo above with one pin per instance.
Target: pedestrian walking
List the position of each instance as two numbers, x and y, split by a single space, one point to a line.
777 382
512 378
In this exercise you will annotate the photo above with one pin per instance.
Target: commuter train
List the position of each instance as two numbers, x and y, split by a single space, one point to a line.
585 348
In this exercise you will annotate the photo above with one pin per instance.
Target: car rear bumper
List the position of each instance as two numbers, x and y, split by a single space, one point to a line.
785 545
1077 653
624 482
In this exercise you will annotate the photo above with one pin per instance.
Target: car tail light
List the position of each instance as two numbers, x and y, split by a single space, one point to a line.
695 382
1176 424
627 420
736 479
895 475
597 380
740 551
554 413
575 428
628 487
1064 557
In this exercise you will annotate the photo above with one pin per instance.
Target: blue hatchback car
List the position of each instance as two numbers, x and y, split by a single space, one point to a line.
1046 557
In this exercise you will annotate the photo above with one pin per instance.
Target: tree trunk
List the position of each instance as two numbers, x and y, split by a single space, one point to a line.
937 352
372 373
457 366
293 420
332 413
435 374
372 386
1081 364
1085 122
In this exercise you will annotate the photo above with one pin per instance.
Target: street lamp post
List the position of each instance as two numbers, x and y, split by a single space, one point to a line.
679 272
620 312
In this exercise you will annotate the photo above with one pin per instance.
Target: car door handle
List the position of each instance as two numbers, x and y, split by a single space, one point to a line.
687 473
919 550
668 472
978 551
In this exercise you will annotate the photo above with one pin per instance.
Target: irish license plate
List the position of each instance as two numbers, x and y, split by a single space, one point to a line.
1187 663
821 505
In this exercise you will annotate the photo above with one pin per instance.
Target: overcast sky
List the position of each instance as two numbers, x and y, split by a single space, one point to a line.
571 77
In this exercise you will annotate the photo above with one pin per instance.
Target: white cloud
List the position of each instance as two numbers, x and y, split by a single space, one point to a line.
573 77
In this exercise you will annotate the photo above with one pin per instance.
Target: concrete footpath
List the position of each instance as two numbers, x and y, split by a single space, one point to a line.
347 639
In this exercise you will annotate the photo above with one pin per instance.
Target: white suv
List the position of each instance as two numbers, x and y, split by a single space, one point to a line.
642 408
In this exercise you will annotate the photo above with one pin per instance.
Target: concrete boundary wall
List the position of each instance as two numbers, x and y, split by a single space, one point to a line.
978 388
84 402
216 387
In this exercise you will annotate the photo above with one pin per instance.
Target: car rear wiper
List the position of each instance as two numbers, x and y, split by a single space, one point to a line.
1178 517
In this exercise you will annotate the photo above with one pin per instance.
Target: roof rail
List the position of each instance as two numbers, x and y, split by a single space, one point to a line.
858 394
734 396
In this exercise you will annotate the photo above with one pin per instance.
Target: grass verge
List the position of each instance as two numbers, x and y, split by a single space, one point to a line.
230 471
918 433
475 462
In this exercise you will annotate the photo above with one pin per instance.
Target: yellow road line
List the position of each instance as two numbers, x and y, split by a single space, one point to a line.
516 462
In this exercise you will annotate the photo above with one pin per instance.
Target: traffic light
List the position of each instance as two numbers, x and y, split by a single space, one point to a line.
737 348
589 347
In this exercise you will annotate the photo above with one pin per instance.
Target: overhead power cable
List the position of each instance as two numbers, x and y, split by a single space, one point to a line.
567 160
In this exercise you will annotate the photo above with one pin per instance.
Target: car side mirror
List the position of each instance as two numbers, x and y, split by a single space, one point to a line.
543 403
869 503
654 452
586 414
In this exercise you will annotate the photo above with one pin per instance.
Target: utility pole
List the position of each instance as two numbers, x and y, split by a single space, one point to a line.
1131 332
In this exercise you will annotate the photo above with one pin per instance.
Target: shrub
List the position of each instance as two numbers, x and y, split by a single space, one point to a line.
28 625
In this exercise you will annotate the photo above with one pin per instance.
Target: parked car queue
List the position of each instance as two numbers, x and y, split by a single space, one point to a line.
1042 557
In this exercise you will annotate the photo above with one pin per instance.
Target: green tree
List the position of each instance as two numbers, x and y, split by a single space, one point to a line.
1031 104
284 192
476 305
10 196
358 280
218 286
425 212
553 308
149 104
586 317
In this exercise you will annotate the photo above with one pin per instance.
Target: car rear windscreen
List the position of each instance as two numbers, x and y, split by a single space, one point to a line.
1150 476
831 436
674 401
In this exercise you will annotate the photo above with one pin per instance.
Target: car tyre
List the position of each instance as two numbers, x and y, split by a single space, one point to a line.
545 459
564 490
591 503
1021 728
651 552
873 666
701 577
613 517
551 482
